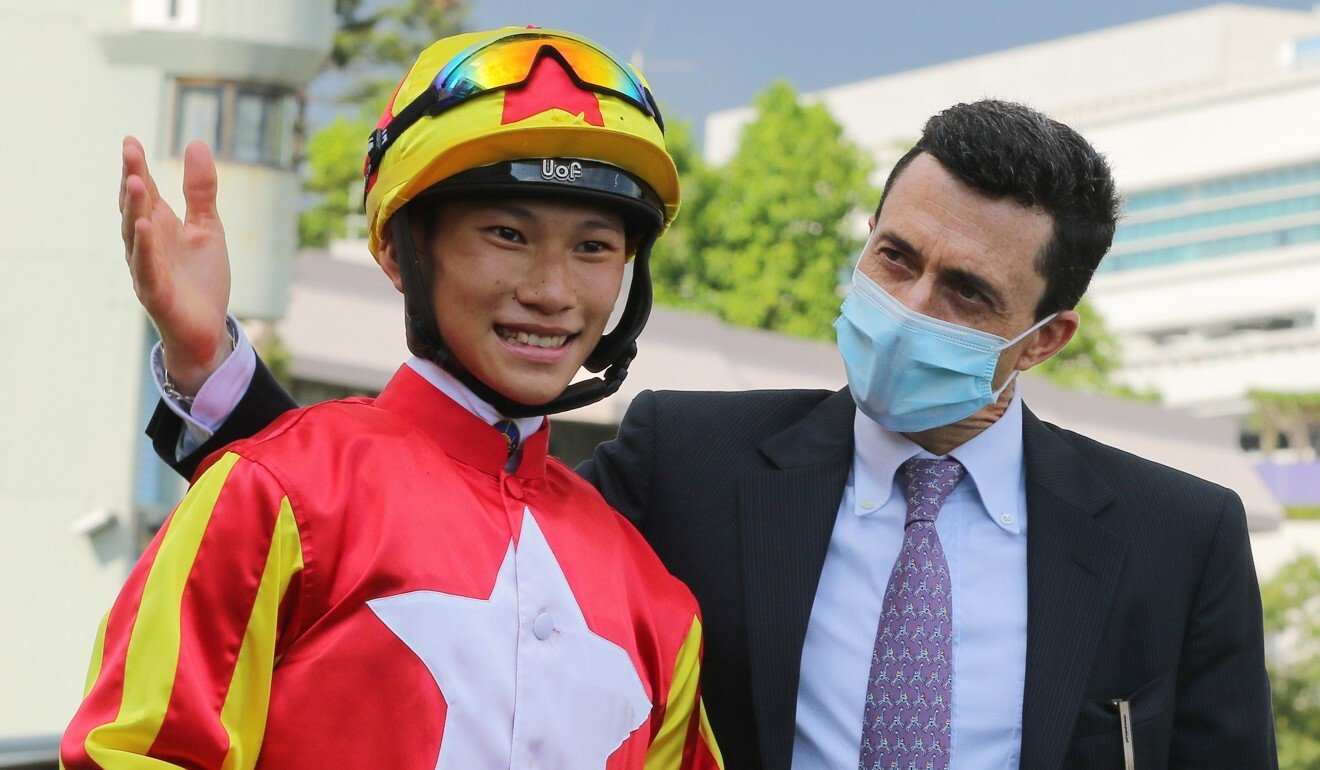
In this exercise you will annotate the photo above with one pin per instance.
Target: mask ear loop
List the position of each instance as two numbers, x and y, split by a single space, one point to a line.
1014 341
1033 328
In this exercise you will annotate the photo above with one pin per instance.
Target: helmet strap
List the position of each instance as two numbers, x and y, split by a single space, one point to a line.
613 353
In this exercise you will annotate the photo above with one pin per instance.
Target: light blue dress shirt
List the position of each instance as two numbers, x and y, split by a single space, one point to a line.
983 528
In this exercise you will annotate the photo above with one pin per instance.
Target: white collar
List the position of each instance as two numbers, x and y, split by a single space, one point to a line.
463 396
993 459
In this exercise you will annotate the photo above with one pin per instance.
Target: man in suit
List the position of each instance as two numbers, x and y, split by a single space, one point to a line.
915 571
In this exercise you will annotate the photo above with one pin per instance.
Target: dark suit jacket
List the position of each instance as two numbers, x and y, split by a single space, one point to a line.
1140 579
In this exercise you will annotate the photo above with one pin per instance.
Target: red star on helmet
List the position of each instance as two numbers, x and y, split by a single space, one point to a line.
550 87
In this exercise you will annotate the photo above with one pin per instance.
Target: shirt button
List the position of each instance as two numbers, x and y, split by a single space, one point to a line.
868 505
1007 519
513 487
543 625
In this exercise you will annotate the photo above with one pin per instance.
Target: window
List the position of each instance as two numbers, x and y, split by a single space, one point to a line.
1226 217
1221 247
198 116
1225 186
1256 211
1306 50
242 123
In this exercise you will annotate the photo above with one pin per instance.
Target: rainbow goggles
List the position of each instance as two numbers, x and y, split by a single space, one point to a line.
506 62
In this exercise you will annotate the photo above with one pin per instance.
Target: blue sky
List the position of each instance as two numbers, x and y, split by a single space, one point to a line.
707 55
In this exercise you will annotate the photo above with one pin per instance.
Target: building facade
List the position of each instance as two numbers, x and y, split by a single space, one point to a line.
1211 119
77 481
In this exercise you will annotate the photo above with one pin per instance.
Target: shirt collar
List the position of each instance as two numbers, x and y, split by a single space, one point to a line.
459 432
993 459
463 396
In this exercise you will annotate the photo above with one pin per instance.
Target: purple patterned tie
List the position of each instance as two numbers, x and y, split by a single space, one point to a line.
910 692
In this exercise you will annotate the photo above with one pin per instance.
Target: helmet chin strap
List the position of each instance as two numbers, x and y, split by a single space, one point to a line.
613 353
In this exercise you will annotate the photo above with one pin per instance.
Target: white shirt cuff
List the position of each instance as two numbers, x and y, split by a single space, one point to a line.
218 396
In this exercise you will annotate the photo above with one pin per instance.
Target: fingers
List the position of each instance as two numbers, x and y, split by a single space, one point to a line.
134 206
135 164
137 190
150 274
199 184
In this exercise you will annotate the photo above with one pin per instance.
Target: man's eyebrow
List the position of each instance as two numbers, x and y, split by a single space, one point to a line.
976 282
988 290
899 241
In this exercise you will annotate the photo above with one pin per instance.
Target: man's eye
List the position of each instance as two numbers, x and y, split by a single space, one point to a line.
506 233
968 293
891 255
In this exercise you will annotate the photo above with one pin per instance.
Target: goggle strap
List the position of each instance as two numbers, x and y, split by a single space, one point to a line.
381 138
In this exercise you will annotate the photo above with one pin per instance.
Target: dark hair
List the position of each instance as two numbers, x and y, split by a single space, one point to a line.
1005 150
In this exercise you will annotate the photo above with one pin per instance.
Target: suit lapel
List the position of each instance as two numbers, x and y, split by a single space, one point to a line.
787 515
1073 565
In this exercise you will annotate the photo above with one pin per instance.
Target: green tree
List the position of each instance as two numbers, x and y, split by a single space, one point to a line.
375 43
334 175
1090 359
675 263
1291 602
1292 415
766 236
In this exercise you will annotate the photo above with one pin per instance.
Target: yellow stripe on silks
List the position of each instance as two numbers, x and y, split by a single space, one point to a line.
708 737
246 703
153 647
666 750
98 656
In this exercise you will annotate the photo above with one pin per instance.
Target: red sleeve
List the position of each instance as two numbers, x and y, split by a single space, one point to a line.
181 672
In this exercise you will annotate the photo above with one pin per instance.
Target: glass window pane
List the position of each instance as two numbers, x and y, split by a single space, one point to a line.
291 136
249 117
273 143
198 117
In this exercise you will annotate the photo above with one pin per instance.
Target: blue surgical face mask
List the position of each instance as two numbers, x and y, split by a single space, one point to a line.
910 372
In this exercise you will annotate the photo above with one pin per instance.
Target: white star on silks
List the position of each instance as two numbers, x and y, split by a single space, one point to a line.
515 700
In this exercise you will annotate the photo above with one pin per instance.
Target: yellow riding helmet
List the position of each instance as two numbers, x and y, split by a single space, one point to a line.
579 103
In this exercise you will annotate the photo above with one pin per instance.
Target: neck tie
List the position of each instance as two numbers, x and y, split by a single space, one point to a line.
509 429
906 724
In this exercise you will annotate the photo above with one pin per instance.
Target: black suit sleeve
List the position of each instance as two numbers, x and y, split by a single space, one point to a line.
1223 716
622 469
261 404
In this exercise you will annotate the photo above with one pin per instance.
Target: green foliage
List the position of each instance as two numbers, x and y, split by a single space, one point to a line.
1305 404
675 270
376 41
1291 602
1307 512
375 44
1277 414
762 240
1089 360
334 162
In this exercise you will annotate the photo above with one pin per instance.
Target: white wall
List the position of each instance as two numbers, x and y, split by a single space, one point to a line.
1221 137
72 350
1079 79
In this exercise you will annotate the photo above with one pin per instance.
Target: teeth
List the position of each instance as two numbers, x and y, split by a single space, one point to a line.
537 341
